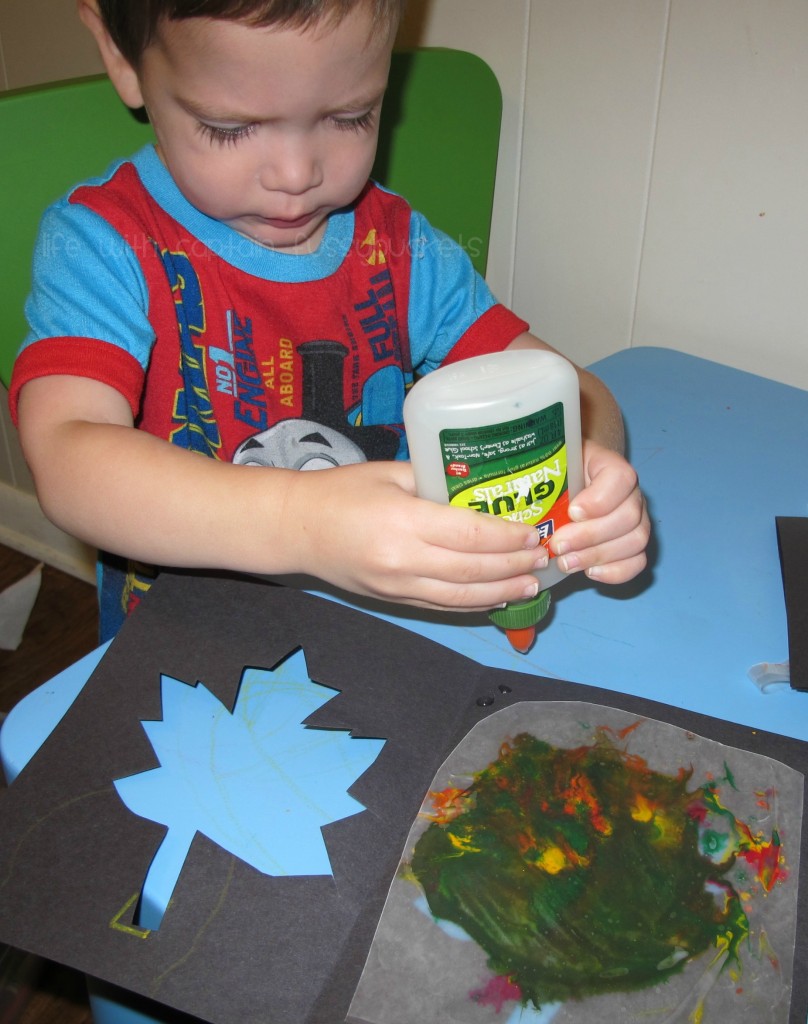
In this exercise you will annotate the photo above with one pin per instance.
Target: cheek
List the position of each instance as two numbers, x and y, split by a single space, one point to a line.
209 182
356 161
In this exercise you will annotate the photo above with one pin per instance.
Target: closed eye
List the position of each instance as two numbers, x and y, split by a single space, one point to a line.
225 136
360 123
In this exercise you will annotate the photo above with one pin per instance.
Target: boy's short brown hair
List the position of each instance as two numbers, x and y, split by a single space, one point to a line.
132 23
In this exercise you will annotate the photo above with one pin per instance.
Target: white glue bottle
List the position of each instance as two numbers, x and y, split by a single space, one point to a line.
501 434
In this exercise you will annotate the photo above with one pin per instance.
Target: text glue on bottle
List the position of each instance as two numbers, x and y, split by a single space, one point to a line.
501 434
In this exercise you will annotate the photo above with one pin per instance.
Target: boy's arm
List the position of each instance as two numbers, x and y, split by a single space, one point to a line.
611 527
358 527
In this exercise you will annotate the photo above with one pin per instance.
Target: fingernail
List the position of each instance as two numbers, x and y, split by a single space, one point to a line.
542 559
531 591
561 548
569 562
577 513
533 539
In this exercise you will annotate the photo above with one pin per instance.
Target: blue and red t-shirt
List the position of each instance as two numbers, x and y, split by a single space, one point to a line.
241 352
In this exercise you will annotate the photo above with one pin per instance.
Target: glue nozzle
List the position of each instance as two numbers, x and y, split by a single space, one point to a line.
519 620
521 639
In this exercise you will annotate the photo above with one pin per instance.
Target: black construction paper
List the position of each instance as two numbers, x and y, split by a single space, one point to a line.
792 542
237 946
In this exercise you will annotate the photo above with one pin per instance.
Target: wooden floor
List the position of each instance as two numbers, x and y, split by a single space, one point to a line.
63 627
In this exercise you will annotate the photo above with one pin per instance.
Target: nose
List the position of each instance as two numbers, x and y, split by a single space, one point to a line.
291 164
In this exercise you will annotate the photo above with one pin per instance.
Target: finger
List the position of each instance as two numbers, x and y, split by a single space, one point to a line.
618 572
476 597
630 516
439 577
494 578
611 485
624 549
468 570
465 531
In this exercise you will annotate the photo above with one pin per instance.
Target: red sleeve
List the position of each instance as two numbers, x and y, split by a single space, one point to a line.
78 357
493 332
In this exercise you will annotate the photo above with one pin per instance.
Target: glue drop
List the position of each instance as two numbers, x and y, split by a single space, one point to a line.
501 434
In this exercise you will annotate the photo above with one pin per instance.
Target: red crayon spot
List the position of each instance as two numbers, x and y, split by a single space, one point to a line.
448 804
765 859
637 764
497 992
525 842
622 733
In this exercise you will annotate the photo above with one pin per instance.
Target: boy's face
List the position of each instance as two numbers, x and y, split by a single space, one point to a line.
268 130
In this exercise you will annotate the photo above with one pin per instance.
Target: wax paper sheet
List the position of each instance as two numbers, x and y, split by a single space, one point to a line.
575 877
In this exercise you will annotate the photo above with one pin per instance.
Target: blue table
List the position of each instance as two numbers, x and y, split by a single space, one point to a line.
718 453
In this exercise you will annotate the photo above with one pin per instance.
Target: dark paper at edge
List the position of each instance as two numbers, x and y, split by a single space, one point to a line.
291 950
792 543
277 940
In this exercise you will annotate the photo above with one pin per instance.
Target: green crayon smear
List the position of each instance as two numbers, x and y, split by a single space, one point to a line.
579 872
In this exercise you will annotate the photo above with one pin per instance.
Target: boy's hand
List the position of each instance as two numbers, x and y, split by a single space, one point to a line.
611 528
362 528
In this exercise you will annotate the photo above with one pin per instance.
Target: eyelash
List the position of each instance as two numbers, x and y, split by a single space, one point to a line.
354 124
230 136
226 136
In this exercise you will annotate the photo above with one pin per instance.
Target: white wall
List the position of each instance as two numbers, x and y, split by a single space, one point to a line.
653 177
725 261
664 186
591 102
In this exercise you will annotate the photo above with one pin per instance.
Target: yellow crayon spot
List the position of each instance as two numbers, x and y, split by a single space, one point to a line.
552 860
117 925
643 809
462 843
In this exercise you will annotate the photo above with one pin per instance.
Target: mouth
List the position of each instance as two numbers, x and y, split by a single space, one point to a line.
286 223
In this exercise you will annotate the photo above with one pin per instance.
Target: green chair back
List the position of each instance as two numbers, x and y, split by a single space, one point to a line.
438 147
50 138
439 141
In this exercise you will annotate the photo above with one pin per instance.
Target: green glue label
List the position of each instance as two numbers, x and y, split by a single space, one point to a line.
516 470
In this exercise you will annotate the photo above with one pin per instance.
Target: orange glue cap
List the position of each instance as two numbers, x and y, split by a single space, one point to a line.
519 620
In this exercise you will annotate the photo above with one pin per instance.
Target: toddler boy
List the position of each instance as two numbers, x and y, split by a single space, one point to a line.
242 292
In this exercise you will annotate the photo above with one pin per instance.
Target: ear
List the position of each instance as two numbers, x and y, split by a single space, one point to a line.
121 73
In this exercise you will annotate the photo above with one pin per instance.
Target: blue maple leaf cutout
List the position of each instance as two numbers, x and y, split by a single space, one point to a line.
257 782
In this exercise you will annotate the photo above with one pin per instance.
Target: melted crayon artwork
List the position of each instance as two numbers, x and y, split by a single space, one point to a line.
576 865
